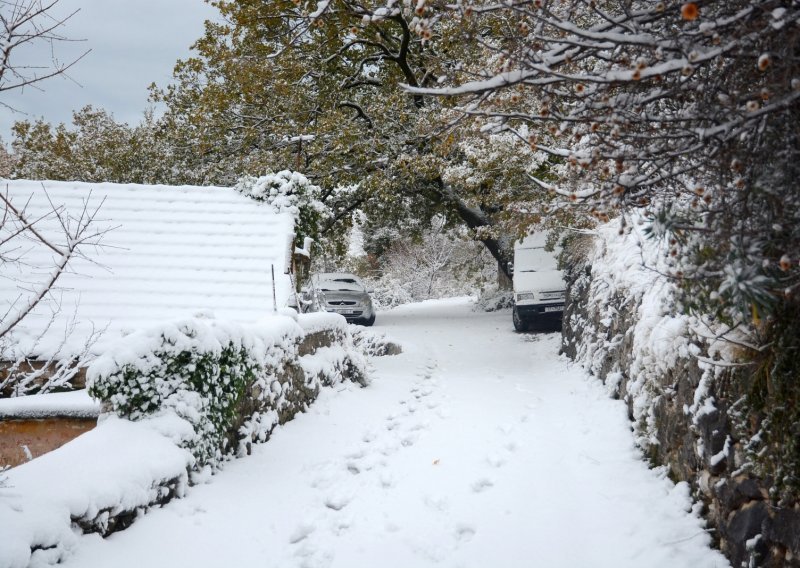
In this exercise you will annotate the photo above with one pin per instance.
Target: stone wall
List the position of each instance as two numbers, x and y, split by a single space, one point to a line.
686 416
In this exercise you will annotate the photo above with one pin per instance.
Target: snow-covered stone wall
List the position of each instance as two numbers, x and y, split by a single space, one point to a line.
674 372
179 399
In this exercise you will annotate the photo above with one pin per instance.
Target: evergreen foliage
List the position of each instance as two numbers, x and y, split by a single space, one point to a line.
198 371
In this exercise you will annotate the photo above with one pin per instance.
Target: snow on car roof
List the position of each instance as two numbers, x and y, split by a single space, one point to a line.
170 252
341 281
337 276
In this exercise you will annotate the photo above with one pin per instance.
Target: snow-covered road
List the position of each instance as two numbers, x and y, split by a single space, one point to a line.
476 447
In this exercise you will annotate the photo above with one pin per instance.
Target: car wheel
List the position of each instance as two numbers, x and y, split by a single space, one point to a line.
520 324
368 322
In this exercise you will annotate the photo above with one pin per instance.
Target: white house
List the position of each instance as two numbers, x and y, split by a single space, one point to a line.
152 253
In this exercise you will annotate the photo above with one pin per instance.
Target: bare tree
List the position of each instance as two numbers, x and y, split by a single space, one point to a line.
66 237
16 223
24 23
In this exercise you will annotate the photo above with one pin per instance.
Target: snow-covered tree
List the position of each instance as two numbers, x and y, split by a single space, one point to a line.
70 233
317 88
96 148
685 109
441 262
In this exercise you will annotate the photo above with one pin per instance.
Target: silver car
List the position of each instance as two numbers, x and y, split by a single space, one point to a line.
343 293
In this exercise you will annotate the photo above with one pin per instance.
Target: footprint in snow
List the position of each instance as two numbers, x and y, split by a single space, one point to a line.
387 480
409 440
389 448
436 502
506 428
311 557
418 394
482 484
301 532
356 454
465 532
338 500
341 524
495 461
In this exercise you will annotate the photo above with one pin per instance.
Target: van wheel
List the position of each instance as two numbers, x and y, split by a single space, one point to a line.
520 324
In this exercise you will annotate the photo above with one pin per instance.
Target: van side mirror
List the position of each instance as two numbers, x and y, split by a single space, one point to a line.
510 266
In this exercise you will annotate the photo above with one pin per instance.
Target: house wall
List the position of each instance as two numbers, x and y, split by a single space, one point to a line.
24 439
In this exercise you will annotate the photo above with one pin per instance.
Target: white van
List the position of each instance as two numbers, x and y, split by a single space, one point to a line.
539 288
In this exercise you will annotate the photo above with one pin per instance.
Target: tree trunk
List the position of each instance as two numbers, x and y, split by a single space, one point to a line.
504 281
475 219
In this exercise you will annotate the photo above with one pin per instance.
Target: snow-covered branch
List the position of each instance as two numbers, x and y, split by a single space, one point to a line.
682 109
19 227
22 23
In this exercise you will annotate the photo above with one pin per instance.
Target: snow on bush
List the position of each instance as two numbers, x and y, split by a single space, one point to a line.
493 299
179 398
374 343
627 276
289 192
440 263
230 382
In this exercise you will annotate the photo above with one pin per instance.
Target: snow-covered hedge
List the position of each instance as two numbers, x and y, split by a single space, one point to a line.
374 343
231 382
178 399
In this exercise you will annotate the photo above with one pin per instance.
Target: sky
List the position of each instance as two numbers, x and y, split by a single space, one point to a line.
133 43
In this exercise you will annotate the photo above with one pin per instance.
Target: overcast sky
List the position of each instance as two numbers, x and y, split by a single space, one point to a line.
133 43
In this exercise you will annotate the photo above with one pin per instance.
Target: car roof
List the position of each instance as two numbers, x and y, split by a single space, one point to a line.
336 276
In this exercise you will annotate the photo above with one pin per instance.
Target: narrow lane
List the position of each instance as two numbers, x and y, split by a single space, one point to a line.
477 447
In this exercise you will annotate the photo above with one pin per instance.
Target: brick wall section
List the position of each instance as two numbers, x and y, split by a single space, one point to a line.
38 436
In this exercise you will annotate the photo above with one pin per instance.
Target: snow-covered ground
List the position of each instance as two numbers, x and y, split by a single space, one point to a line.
476 447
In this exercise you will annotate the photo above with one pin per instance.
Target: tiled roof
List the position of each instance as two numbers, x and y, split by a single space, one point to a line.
169 252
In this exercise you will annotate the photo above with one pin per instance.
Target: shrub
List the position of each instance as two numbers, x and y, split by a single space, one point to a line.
199 370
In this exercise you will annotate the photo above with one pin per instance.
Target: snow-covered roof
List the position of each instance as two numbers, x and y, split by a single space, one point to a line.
165 252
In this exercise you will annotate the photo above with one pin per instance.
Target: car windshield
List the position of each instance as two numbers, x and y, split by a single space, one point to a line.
534 260
340 284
